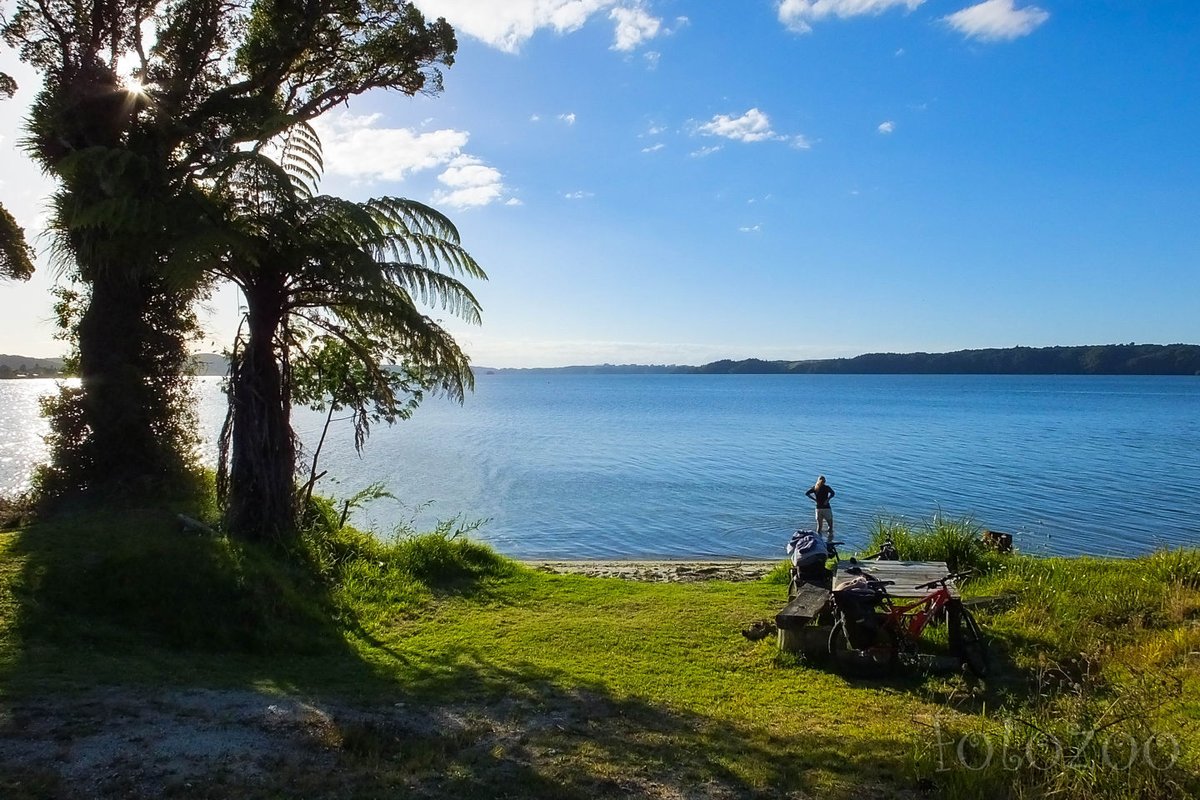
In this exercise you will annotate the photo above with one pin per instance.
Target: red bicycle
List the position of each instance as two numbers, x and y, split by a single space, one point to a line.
869 620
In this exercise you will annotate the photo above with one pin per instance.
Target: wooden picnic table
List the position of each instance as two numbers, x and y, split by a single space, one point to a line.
905 575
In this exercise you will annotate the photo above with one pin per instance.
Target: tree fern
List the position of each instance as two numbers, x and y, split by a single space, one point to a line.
324 275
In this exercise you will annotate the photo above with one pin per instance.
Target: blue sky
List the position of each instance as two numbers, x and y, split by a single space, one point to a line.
676 182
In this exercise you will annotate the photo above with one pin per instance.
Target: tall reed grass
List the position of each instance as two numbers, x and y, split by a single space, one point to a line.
956 541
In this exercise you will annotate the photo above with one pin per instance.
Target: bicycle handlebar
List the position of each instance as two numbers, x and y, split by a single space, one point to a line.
953 576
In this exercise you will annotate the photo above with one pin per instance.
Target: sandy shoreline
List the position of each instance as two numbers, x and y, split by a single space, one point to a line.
662 570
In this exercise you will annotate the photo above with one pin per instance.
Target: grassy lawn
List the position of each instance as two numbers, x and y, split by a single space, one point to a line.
441 669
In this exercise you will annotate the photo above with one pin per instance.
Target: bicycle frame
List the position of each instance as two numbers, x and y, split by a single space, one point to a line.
912 618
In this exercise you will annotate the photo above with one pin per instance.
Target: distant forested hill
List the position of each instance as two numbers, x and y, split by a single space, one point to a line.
26 367
1102 359
1106 359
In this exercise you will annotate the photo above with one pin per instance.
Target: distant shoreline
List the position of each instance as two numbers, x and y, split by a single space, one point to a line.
1107 359
1104 359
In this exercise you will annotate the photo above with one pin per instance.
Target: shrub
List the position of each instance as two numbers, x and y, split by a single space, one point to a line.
1177 567
958 542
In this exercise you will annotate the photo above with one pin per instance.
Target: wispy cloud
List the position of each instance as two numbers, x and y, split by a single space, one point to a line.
705 151
633 26
997 20
798 15
578 195
471 184
355 148
654 148
509 24
567 118
753 126
886 127
755 228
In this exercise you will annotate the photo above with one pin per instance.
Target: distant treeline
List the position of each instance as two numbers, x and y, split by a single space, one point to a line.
1108 359
26 367
1105 359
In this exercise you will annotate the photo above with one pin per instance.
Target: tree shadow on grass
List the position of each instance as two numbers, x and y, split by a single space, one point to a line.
533 733
131 598
129 616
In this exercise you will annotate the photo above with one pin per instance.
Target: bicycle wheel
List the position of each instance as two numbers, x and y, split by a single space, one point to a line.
839 643
973 651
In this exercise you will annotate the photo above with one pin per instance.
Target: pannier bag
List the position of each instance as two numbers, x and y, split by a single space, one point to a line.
808 551
857 600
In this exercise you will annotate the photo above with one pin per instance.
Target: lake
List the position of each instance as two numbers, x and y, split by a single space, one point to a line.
691 466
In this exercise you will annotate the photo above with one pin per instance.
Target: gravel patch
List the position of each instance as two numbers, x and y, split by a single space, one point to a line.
663 571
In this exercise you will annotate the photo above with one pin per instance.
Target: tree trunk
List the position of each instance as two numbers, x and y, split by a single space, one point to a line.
261 501
125 437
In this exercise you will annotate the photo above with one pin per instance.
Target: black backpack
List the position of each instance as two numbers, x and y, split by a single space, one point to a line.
857 603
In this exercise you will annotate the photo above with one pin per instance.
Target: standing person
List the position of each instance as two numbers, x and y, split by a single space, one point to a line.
822 493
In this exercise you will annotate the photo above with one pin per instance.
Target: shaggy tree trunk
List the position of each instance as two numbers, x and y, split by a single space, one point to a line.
125 437
116 394
260 497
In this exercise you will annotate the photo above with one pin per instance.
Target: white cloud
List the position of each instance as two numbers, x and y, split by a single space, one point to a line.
886 127
798 15
997 20
756 228
471 184
512 201
579 195
507 24
653 148
652 58
753 126
801 142
705 151
634 26
353 147
568 118
535 118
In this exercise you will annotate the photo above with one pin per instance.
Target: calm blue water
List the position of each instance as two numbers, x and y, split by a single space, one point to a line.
590 466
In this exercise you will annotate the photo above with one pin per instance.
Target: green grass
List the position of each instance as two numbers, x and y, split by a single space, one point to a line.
612 684
955 541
